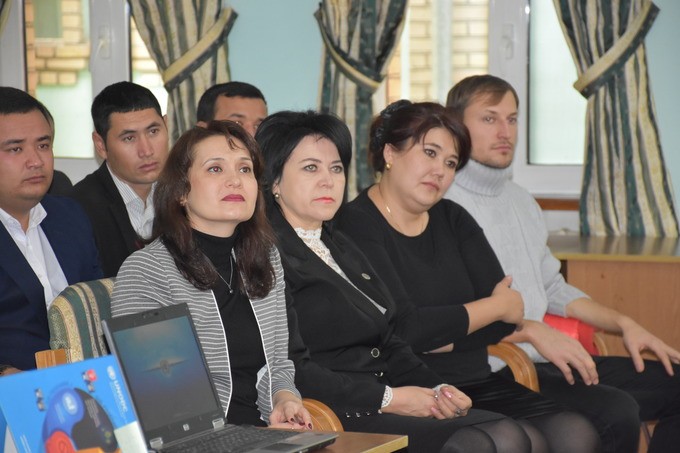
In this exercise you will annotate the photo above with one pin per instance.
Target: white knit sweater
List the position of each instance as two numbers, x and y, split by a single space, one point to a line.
514 225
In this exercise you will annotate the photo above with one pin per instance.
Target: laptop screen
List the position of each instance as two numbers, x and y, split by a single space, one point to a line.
165 371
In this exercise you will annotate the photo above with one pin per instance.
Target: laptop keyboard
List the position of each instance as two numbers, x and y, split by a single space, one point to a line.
231 440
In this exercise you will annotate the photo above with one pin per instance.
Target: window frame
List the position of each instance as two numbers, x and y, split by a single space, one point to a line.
12 44
109 24
509 59
109 20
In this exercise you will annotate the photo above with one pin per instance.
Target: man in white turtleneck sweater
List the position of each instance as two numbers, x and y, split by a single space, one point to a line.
612 393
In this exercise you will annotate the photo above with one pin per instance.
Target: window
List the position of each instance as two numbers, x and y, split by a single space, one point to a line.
508 57
58 73
556 109
69 54
442 42
493 37
45 12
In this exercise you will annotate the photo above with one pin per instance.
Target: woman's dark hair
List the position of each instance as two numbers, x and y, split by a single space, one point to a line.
255 236
404 123
280 133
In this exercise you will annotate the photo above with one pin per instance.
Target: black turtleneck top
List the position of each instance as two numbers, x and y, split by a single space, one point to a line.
244 342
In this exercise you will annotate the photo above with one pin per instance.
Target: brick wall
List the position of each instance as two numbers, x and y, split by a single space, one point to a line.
57 61
420 52
469 44
469 38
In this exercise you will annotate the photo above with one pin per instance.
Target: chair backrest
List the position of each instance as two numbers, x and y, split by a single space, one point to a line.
75 319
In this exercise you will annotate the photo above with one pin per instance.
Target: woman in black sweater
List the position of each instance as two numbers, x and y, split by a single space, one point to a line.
441 270
352 360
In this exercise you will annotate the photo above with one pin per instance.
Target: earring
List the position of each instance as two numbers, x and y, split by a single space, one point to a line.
388 166
277 195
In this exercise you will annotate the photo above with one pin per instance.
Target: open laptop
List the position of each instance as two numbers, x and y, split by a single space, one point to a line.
173 394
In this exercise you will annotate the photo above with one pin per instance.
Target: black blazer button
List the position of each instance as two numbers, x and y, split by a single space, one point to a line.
375 353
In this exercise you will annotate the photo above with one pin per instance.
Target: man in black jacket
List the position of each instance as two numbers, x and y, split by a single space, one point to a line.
132 138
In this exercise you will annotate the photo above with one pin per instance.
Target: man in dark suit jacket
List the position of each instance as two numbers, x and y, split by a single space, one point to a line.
131 137
46 241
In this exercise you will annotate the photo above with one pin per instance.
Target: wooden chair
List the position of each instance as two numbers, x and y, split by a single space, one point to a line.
76 334
524 371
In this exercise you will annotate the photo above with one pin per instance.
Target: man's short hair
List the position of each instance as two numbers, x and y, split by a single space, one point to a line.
471 88
121 97
18 101
206 105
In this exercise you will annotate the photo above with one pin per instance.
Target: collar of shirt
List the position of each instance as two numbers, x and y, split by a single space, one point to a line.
35 217
141 213
37 250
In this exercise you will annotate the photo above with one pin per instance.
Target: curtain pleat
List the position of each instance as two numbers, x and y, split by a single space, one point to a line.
626 188
359 38
188 42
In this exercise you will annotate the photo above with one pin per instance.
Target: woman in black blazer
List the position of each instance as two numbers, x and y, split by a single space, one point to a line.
343 345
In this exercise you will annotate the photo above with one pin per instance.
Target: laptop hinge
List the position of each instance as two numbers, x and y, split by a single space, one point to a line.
218 423
156 443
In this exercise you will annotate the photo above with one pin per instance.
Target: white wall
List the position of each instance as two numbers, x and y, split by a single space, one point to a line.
276 46
664 67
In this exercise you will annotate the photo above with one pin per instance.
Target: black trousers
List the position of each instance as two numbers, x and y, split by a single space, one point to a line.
621 400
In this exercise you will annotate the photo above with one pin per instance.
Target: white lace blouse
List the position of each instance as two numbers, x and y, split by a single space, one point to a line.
312 238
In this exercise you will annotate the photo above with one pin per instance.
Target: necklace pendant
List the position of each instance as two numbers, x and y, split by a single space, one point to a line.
231 291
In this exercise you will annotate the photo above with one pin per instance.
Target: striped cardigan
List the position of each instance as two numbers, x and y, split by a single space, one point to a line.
150 279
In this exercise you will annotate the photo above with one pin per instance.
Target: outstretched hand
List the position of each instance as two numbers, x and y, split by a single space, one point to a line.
637 339
565 352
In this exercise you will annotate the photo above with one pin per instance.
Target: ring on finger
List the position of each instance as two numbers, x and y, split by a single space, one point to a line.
459 412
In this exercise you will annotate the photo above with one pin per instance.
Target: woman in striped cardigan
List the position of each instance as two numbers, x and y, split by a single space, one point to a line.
212 248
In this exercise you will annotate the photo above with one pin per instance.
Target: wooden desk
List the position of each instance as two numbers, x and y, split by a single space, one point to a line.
366 443
639 277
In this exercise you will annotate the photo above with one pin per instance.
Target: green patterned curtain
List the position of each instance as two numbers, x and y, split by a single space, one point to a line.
188 42
359 38
5 5
626 188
